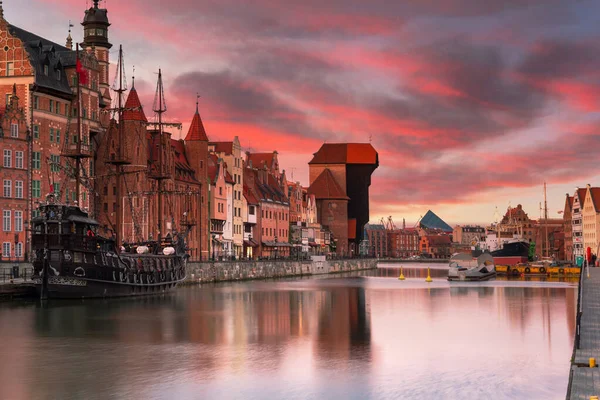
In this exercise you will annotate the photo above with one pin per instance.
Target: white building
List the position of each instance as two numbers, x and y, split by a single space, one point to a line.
577 222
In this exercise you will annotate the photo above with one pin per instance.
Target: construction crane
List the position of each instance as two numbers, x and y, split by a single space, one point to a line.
390 224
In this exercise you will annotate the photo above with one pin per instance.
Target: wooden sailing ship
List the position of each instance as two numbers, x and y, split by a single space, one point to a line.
70 257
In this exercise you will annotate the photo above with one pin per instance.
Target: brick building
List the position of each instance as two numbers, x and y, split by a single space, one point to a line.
468 235
436 246
272 229
231 153
376 236
14 146
403 243
43 76
340 176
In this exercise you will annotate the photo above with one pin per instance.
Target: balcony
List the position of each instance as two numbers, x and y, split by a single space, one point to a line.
77 150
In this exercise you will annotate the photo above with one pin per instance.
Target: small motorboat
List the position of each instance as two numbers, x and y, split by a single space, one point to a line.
463 267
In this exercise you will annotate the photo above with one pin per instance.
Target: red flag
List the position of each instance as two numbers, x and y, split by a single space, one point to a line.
82 73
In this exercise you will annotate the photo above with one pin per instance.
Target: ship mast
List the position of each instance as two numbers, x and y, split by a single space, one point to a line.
160 174
119 159
546 222
75 150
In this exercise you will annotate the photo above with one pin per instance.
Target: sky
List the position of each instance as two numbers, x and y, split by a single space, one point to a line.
471 104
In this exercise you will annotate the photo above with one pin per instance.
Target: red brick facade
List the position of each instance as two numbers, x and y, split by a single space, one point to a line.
14 150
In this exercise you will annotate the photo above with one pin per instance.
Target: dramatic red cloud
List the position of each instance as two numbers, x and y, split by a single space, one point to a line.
441 88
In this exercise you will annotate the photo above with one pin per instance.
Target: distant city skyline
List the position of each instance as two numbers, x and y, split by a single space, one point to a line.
471 105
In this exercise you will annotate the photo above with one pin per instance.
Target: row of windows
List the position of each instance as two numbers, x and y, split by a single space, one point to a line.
7 187
237 229
271 232
269 214
7 221
7 247
7 159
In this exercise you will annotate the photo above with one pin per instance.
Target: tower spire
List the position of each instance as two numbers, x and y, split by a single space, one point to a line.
133 79
1 10
197 98
69 44
96 3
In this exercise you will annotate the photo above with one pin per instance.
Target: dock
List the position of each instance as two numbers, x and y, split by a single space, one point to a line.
584 380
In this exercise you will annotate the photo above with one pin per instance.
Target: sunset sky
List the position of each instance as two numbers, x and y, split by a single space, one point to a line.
471 104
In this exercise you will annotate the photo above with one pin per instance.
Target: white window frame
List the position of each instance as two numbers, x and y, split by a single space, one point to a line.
6 222
19 250
18 189
14 130
7 188
6 250
7 159
18 221
19 159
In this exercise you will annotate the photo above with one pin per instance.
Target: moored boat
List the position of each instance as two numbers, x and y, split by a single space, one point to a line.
463 267
71 261
512 252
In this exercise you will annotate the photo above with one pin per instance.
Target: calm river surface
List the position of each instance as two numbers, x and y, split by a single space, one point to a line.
362 336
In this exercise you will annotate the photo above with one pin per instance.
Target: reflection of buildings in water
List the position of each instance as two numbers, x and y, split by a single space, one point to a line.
16 327
523 305
344 329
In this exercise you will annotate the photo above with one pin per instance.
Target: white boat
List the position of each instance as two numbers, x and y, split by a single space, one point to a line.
463 267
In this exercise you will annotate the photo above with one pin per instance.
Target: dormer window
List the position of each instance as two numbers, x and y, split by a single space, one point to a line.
46 70
58 75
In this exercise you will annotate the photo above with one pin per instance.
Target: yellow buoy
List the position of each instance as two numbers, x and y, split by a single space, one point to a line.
592 362
428 276
401 277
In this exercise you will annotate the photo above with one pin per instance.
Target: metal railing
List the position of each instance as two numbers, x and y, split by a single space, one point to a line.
580 306
9 274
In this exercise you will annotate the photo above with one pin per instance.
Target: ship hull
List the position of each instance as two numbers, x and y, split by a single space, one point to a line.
77 288
510 260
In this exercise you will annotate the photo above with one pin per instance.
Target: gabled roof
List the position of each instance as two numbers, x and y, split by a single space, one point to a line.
213 168
182 163
580 193
326 187
222 147
43 52
595 193
259 160
133 108
432 221
346 153
197 131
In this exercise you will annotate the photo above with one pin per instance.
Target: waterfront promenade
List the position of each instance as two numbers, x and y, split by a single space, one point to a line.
584 382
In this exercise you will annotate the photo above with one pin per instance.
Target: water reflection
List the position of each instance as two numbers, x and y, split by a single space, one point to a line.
364 336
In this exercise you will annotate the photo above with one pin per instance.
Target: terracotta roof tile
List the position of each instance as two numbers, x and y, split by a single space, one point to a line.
346 153
326 187
222 147
595 192
133 108
197 131
259 160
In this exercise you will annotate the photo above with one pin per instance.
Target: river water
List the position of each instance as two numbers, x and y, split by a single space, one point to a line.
360 336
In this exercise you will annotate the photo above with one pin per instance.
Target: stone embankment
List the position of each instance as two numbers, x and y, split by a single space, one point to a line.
245 270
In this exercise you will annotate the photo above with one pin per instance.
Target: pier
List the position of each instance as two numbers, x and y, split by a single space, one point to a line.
584 378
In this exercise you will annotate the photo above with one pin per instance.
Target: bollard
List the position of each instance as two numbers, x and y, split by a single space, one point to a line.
401 277
428 276
592 362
